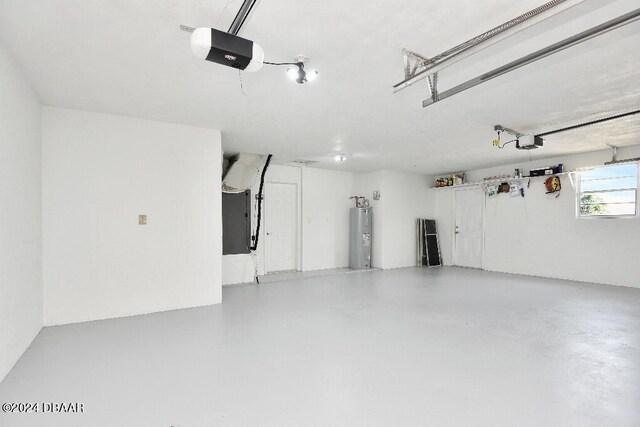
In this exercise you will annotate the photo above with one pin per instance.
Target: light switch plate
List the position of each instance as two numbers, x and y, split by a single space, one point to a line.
142 219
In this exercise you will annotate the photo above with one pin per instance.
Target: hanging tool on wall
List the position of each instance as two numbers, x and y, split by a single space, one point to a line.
553 185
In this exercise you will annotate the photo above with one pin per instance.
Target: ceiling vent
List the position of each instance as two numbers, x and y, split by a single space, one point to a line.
303 162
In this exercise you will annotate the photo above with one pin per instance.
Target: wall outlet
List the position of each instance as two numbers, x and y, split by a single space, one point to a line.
142 219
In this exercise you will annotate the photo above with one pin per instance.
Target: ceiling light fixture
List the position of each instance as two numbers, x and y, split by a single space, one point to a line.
312 75
292 73
298 73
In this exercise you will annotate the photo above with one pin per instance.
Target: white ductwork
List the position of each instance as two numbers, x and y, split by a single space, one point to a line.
243 171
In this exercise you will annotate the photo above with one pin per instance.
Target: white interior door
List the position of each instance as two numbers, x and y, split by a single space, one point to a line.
281 226
468 227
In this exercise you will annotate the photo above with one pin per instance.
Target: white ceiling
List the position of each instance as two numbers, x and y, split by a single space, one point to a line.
129 57
617 132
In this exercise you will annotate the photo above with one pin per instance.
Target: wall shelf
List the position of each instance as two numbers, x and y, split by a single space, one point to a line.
568 174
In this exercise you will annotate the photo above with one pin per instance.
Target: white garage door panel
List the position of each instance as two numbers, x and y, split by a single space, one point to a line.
281 227
468 228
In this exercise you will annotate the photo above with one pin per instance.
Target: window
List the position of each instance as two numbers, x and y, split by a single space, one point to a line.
609 191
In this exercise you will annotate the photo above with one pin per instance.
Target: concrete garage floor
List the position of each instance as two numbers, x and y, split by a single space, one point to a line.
293 275
412 346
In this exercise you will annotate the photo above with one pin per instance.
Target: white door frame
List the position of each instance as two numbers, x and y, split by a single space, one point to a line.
263 230
455 213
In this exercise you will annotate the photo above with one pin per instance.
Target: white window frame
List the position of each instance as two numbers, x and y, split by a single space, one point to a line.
622 216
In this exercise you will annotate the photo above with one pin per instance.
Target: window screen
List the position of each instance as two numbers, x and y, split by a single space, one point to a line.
609 191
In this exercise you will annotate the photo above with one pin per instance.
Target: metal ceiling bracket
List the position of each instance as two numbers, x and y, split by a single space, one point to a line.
593 32
407 66
243 13
238 21
500 128
413 63
433 86
426 67
614 156
571 180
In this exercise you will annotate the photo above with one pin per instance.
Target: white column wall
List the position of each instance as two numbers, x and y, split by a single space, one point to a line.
100 172
20 213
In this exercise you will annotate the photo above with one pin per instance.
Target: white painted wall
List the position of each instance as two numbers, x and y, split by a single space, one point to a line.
325 218
20 214
405 197
99 173
323 204
540 235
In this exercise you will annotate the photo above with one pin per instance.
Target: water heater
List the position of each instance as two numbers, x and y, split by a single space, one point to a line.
361 220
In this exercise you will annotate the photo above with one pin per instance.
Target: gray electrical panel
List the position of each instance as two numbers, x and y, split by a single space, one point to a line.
361 221
236 223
